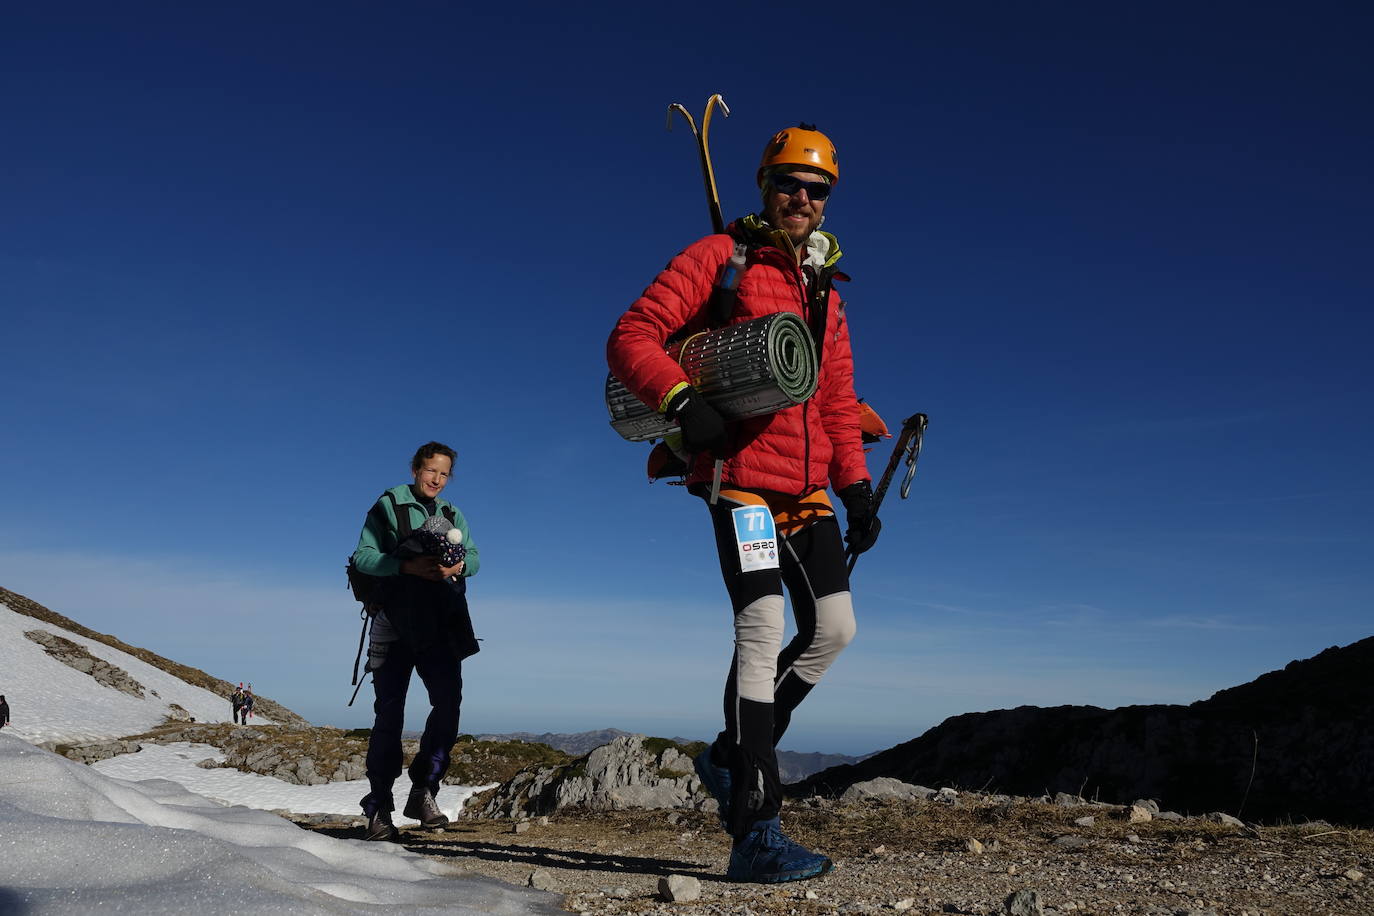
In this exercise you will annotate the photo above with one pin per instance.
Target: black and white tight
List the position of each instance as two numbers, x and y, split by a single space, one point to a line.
767 680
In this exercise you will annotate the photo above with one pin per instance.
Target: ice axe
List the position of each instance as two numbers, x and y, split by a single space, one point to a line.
702 138
908 446
708 176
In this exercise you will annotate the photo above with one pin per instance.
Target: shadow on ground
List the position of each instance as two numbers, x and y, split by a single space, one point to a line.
451 844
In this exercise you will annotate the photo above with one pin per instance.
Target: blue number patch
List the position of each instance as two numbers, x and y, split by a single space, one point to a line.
756 538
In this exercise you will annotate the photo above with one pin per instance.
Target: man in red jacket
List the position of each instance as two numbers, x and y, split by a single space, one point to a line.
775 472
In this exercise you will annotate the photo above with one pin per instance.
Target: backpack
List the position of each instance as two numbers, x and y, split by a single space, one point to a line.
372 590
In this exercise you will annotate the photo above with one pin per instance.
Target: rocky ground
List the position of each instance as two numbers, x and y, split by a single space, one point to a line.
930 852
969 855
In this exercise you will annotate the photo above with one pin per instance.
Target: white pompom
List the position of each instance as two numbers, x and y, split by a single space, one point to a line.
454 536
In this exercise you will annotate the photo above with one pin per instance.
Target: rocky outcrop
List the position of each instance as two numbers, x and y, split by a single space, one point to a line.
1305 734
100 750
630 772
76 656
306 758
575 743
301 756
885 787
792 765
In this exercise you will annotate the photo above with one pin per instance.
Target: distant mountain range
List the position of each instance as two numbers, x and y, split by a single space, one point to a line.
1291 744
792 765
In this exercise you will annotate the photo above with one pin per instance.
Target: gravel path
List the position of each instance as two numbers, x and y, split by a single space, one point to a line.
925 858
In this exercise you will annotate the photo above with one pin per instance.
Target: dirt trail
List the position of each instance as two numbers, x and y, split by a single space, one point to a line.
918 858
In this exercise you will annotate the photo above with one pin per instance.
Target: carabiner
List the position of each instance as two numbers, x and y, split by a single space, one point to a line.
913 452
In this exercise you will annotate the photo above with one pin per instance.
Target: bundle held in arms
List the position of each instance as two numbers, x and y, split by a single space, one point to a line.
749 369
437 537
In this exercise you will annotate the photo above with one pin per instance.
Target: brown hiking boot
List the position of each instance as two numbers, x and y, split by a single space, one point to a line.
379 827
421 806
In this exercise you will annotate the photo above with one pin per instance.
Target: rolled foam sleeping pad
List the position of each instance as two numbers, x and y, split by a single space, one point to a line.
749 369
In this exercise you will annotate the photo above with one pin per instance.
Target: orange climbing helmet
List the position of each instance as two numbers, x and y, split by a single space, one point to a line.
800 145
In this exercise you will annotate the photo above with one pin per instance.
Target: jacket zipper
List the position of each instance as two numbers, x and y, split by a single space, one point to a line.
800 277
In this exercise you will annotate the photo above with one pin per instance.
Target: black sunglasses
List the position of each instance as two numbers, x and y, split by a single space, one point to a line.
791 184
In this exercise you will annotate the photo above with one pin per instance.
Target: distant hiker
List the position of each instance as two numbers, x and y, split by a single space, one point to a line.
4 711
247 710
423 626
236 701
773 522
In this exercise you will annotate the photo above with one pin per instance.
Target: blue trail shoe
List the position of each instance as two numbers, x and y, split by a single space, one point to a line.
716 780
767 856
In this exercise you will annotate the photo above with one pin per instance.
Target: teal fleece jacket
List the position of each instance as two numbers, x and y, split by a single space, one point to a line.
378 538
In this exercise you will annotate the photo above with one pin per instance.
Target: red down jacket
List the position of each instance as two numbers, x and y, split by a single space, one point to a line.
796 450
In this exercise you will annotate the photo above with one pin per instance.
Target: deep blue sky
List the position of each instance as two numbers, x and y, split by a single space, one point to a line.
252 255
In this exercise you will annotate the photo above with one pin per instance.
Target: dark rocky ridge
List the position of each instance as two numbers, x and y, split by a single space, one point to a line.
1306 732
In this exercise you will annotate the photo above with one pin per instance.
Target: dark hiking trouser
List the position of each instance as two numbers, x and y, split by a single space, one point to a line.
442 676
768 681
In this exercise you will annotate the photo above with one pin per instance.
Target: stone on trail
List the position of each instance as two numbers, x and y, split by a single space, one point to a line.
679 888
1218 817
1023 903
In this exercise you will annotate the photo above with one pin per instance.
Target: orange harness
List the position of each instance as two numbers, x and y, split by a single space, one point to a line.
790 513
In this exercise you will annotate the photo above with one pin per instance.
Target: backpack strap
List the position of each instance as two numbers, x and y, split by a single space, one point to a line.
362 638
715 312
403 526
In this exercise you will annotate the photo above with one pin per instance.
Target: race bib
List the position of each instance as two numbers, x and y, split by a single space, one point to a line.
755 538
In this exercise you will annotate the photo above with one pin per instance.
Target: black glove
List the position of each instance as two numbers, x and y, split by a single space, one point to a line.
864 526
703 429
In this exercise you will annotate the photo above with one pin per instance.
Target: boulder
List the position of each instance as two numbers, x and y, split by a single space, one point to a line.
885 787
623 774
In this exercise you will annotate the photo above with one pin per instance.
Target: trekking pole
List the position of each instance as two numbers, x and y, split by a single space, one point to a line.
909 445
708 177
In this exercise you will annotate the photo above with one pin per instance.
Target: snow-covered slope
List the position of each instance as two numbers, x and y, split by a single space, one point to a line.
53 702
76 841
177 762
